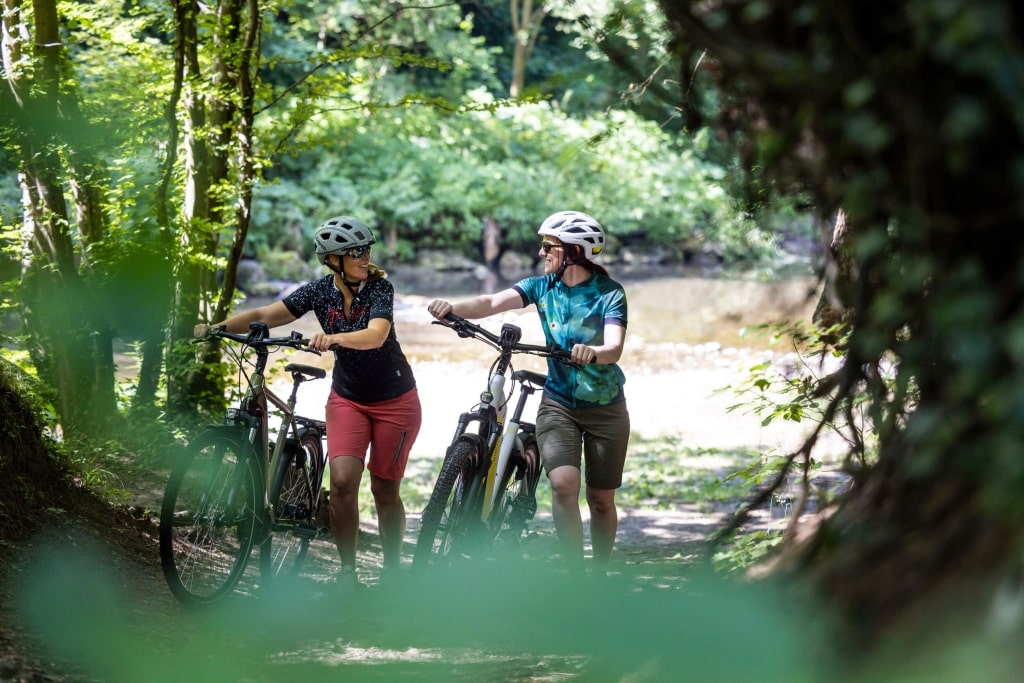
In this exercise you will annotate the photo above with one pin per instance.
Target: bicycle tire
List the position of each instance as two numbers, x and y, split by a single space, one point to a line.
447 521
211 516
294 496
515 503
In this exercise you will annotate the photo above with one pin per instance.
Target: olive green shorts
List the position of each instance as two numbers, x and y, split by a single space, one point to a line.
566 436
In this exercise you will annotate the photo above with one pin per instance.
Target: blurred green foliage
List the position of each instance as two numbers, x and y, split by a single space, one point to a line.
400 118
515 621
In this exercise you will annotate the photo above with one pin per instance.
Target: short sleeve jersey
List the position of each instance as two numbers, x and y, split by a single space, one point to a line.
364 376
577 315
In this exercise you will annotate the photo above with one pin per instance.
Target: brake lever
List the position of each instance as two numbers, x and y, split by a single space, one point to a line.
212 334
303 344
554 350
458 325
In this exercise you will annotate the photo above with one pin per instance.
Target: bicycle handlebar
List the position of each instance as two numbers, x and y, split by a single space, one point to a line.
507 341
257 337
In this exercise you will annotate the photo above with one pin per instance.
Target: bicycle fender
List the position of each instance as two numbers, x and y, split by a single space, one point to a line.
228 430
476 440
237 431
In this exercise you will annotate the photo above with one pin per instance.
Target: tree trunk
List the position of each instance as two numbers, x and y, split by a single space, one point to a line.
840 275
526 23
73 341
490 250
153 345
906 551
193 281
218 187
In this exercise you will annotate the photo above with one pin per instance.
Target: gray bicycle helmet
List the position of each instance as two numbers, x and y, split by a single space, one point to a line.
340 234
574 227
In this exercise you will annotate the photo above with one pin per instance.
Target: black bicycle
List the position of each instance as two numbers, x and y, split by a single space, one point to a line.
485 493
235 489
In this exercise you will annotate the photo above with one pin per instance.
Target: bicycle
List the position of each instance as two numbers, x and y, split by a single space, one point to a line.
235 489
485 492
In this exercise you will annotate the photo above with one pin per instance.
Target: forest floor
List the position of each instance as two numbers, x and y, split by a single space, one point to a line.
92 575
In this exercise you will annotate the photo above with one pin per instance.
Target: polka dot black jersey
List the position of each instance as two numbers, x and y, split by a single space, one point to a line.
364 376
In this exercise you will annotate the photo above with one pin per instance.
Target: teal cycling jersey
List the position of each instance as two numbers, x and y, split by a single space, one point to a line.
577 315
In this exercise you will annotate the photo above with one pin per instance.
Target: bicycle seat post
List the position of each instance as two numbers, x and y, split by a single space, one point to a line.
297 379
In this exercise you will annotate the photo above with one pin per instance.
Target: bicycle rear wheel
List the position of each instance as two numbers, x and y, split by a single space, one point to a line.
447 524
294 495
210 517
515 503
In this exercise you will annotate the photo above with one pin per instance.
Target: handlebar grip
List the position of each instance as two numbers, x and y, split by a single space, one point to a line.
212 332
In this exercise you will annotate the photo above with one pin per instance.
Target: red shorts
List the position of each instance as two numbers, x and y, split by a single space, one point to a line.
388 428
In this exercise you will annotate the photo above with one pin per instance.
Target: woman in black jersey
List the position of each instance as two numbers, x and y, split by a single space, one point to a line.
374 403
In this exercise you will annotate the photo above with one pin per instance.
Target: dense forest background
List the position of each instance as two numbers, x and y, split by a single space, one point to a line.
148 153
149 148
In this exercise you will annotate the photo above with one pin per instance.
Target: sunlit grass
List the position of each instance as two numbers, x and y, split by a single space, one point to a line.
661 473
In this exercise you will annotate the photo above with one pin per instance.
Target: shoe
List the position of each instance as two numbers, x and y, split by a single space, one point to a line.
389 576
348 580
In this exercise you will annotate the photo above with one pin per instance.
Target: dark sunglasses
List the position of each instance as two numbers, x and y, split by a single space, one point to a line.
546 247
357 252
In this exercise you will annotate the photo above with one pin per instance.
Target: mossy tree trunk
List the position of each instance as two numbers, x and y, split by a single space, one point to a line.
840 103
73 346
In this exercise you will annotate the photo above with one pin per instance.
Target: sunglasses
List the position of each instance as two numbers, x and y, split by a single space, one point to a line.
357 252
546 247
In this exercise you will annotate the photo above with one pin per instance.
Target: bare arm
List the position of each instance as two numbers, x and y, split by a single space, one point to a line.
373 337
274 315
482 306
614 340
609 352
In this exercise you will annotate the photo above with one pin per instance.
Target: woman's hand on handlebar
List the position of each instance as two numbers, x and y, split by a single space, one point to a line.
582 354
204 330
323 342
439 308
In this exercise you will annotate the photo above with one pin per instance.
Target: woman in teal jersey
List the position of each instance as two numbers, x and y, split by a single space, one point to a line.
582 422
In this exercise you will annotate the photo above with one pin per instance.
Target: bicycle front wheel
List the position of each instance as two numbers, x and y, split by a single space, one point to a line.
447 521
294 495
210 517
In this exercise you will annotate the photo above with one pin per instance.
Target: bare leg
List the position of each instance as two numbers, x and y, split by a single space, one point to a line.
565 509
604 522
346 473
390 518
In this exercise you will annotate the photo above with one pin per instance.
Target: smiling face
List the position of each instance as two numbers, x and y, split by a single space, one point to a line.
552 251
355 268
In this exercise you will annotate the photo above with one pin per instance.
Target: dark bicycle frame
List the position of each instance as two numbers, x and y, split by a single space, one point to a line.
247 426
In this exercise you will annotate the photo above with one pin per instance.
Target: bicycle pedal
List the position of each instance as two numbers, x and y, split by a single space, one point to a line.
303 531
527 506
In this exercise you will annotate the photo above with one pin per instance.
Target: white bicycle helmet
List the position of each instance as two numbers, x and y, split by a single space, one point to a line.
339 234
574 227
